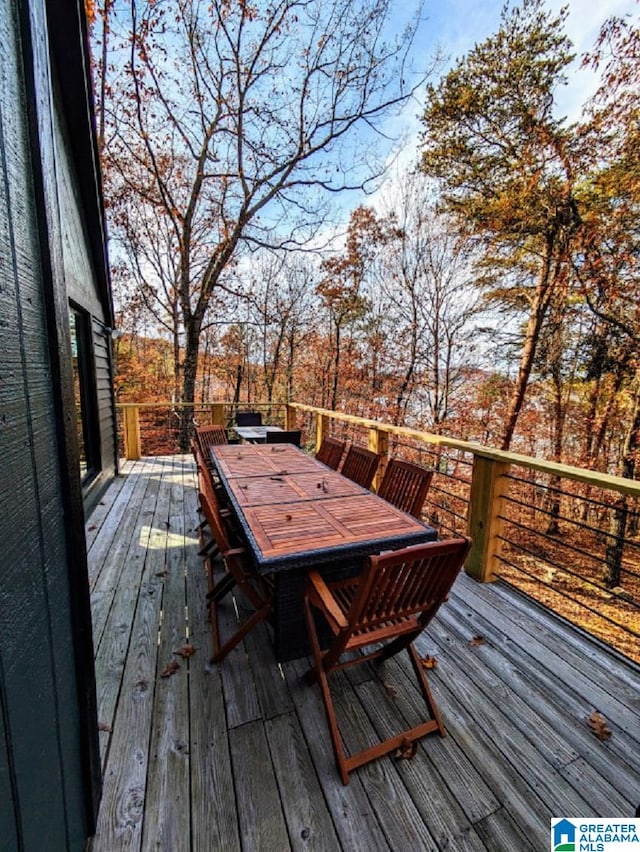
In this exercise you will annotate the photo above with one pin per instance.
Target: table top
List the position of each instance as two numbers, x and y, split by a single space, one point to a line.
296 512
285 487
232 460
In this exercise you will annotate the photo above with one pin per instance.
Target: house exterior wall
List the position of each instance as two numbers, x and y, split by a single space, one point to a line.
80 281
50 232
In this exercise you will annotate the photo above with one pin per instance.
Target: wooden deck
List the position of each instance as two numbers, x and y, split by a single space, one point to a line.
237 756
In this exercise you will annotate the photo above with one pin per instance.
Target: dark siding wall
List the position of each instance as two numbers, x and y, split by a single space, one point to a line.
104 391
46 691
80 279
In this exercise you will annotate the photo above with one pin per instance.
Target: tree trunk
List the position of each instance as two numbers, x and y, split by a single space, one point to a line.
539 307
555 483
336 370
620 511
191 349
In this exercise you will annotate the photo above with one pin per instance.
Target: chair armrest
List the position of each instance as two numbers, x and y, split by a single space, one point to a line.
326 599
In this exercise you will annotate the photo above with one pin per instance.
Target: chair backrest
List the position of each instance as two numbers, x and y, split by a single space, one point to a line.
210 436
292 436
205 477
330 452
402 583
360 465
405 485
248 418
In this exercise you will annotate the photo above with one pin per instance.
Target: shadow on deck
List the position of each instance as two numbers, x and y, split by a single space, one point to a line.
237 756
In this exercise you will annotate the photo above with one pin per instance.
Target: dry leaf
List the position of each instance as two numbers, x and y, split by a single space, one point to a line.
407 750
429 662
170 669
477 640
598 725
92 527
162 573
391 690
103 726
186 651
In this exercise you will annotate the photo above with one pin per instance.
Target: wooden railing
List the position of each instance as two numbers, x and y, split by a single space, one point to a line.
551 529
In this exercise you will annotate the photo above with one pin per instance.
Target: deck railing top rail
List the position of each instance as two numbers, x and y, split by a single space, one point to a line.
592 477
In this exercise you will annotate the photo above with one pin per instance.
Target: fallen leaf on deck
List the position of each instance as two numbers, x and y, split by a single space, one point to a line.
598 725
186 651
407 750
170 669
477 640
429 662
102 726
92 527
391 690
161 573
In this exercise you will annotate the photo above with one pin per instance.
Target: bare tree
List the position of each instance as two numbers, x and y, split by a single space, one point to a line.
426 285
235 120
280 296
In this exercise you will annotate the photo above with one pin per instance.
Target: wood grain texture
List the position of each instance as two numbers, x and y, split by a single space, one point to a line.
214 820
260 810
167 795
329 522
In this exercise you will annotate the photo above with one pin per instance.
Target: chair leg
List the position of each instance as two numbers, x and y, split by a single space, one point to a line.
434 712
323 683
258 616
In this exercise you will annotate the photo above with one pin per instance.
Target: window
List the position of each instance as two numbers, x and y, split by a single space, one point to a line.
84 394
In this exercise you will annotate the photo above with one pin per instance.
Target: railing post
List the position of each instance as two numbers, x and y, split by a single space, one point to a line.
323 426
217 414
290 418
488 486
132 447
379 443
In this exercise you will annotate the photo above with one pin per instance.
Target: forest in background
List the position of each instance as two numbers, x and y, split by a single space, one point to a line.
490 293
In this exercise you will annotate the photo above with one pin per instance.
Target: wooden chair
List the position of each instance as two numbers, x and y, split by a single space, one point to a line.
207 484
330 452
240 574
292 436
405 485
248 418
391 602
210 436
360 465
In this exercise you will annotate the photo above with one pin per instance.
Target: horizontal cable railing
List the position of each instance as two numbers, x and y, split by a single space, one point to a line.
568 537
570 548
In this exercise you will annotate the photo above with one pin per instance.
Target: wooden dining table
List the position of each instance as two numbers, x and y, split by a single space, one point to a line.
296 514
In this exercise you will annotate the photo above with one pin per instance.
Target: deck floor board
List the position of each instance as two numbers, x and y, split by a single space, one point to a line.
238 757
